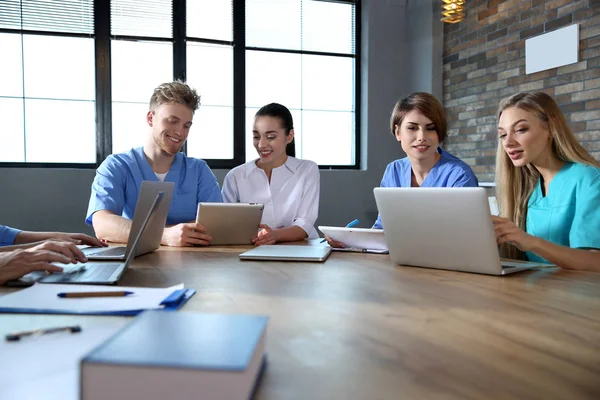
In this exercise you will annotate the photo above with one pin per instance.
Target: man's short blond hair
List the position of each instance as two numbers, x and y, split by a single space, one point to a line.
175 92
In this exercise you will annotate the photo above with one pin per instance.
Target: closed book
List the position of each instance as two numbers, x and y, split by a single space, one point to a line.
162 355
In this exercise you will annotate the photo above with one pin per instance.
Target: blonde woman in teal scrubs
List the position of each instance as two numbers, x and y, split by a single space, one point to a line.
547 185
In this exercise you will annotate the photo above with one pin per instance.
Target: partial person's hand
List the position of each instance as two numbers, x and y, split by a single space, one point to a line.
334 243
266 235
79 238
508 232
186 234
14 264
67 249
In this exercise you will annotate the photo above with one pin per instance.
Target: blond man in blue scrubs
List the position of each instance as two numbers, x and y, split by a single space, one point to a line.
547 185
118 179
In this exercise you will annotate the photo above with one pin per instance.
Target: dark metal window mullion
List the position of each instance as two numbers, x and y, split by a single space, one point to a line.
23 86
357 82
179 45
239 82
103 80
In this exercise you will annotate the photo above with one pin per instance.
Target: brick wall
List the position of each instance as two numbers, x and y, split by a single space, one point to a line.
484 61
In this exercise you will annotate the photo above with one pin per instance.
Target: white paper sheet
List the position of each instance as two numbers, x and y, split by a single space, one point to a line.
43 296
47 366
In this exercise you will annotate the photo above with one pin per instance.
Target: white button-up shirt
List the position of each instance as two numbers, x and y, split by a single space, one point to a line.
291 199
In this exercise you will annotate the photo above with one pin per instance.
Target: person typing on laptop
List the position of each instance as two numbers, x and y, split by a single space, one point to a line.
64 243
118 179
418 122
22 252
288 187
16 263
11 236
547 185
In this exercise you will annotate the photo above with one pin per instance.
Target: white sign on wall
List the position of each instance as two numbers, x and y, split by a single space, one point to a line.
551 50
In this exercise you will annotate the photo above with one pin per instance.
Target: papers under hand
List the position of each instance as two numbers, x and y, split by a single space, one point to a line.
42 298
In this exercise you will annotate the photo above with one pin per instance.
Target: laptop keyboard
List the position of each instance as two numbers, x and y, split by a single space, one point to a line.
109 252
96 272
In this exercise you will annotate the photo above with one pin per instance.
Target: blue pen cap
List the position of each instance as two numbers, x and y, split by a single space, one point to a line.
353 223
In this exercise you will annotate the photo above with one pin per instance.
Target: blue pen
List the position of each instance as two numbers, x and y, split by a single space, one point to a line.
350 225
353 223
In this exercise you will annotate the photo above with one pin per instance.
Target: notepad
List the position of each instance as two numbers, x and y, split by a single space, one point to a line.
357 239
42 298
47 366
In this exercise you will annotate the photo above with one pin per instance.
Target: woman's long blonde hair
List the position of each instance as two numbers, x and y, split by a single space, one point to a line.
515 185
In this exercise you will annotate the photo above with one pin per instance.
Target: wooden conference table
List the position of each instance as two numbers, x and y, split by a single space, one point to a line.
357 327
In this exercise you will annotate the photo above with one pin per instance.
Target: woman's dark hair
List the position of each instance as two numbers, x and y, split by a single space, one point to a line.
285 116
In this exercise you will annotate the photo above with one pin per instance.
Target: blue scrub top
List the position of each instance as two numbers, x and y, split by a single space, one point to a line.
8 235
449 171
119 178
569 215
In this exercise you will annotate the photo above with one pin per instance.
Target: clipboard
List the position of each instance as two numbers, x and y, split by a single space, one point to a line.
359 250
42 299
358 240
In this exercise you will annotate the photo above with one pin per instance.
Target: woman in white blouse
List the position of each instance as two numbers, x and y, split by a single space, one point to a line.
287 186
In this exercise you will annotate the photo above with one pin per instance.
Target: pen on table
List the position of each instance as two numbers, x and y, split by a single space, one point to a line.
13 337
80 295
350 225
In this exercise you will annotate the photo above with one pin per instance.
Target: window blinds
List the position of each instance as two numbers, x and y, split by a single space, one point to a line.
146 18
64 16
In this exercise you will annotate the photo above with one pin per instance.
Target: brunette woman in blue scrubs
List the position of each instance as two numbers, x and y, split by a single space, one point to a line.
418 122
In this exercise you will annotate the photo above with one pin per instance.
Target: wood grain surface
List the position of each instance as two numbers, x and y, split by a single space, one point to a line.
357 327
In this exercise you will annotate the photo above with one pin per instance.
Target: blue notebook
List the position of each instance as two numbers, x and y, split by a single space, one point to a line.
171 354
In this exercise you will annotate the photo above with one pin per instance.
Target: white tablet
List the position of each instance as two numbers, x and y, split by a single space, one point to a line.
230 223
279 252
357 239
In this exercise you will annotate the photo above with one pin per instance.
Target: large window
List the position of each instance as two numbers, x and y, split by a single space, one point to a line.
209 69
47 94
300 53
141 48
77 76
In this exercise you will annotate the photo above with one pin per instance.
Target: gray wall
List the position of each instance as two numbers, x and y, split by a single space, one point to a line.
426 46
56 199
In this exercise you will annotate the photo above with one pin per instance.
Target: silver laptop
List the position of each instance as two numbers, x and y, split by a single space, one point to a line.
96 272
151 235
279 252
445 228
230 223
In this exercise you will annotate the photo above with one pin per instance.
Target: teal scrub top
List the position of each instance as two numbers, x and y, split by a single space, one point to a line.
569 215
